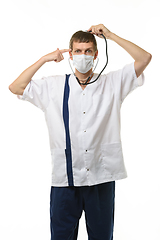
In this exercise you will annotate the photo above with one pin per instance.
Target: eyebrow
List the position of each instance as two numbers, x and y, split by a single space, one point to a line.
85 49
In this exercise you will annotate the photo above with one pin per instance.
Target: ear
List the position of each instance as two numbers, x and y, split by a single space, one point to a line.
96 54
70 54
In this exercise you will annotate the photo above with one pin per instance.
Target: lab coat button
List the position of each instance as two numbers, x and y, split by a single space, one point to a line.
84 112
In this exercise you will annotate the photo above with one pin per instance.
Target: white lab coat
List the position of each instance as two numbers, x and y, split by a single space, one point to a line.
94 123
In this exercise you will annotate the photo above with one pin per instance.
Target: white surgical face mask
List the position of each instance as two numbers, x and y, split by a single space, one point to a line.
83 63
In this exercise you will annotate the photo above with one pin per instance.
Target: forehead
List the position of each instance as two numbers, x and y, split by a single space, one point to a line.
83 45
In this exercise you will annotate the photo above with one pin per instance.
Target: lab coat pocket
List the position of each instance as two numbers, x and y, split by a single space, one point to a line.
58 164
112 158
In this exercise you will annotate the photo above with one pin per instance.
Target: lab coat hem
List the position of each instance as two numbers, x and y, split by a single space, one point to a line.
111 178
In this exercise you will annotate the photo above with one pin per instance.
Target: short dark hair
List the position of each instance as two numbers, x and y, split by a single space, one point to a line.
82 36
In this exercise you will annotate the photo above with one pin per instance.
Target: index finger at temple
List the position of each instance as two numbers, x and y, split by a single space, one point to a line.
65 50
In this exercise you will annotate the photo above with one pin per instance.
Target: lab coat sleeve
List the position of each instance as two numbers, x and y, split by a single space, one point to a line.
125 81
38 92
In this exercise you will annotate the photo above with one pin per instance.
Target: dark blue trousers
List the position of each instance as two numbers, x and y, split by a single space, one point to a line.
68 203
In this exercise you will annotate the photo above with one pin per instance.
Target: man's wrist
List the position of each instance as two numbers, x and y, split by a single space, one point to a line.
110 36
43 59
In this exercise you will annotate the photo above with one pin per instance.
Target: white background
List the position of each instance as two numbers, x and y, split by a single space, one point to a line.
33 28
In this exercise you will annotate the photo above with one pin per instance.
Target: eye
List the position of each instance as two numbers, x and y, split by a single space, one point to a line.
77 51
89 51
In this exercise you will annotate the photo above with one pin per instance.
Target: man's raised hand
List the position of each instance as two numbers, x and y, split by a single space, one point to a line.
99 29
56 56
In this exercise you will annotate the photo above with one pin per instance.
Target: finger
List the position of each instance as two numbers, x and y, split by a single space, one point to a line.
65 50
89 30
60 58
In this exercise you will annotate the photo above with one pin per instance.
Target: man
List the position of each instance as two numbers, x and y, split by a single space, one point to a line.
84 130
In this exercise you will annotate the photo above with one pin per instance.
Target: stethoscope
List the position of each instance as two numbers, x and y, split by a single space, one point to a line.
86 82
